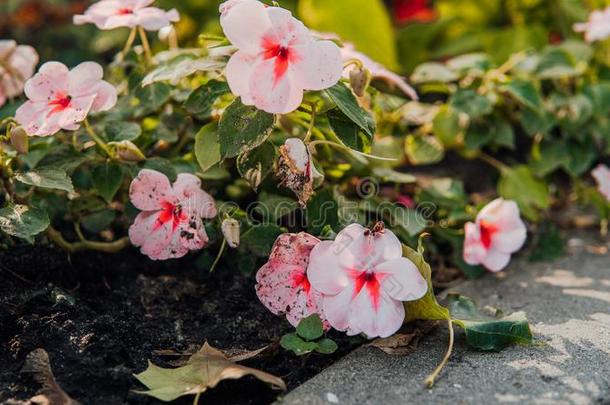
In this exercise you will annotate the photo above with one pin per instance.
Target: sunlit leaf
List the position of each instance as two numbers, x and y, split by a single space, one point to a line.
22 221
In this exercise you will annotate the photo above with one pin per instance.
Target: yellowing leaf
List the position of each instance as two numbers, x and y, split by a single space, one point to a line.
205 369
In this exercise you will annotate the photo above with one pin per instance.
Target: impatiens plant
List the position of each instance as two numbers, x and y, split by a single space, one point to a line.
310 157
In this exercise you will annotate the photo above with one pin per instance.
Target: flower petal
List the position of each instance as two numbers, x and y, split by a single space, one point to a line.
401 279
149 189
239 72
32 116
321 66
153 18
369 249
495 260
106 97
383 322
474 251
192 233
601 174
293 249
275 95
328 265
52 77
244 24
337 309
83 78
196 202
76 113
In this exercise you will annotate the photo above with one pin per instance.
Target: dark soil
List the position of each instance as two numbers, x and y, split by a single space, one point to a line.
102 317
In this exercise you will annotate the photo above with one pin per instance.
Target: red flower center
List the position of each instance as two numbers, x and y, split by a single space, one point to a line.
301 280
60 103
170 212
282 54
124 11
487 232
370 281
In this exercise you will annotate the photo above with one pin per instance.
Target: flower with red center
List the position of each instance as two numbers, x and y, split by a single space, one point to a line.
406 11
17 63
602 175
282 283
61 99
364 280
497 233
597 28
277 57
110 14
170 224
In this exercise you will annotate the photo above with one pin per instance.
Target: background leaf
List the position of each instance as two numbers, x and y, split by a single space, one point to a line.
23 222
52 178
107 179
243 128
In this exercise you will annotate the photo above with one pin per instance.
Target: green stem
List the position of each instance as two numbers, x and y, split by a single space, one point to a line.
145 44
312 122
222 249
110 247
129 43
432 377
345 148
197 396
501 167
97 138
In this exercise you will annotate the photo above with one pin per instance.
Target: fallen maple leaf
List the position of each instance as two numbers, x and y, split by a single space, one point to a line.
204 369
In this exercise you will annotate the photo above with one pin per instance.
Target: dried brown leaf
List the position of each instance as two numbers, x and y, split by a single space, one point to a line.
37 364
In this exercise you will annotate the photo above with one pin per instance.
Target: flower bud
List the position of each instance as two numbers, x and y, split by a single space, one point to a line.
19 140
359 79
230 230
296 170
127 151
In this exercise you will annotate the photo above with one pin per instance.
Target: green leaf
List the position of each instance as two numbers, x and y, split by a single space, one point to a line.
326 346
107 180
298 346
243 128
471 103
180 67
23 222
122 131
446 126
348 131
485 332
518 183
274 207
343 97
51 178
548 245
364 23
433 72
423 149
310 328
256 164
387 175
322 210
98 221
491 131
525 93
154 96
161 165
408 219
201 100
260 239
207 148
549 156
426 308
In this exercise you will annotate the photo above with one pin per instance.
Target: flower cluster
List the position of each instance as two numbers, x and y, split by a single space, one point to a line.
17 63
111 14
597 28
357 282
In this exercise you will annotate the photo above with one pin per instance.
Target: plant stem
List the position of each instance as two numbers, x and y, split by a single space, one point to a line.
345 148
107 247
197 396
129 43
493 162
145 44
432 377
312 122
96 138
222 250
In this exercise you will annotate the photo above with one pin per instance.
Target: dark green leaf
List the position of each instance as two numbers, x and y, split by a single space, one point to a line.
260 239
310 328
525 93
52 178
274 207
23 222
297 345
154 96
322 210
326 346
207 148
485 332
548 245
347 131
513 182
107 179
122 131
243 128
256 164
424 149
161 165
343 97
201 100
98 221
471 103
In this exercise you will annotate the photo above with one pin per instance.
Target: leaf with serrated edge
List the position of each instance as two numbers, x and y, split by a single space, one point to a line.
204 370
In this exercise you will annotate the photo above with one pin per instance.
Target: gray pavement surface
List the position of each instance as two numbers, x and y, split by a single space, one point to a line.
568 305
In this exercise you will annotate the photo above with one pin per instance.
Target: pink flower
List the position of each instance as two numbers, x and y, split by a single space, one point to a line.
602 175
110 14
597 28
282 283
497 233
364 278
17 63
170 223
378 71
277 57
61 99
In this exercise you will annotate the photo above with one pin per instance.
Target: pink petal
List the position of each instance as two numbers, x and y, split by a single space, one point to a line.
496 260
503 215
474 251
6 47
32 116
153 19
367 249
336 309
401 279
155 241
149 189
328 265
601 174
245 24
116 21
106 97
383 322
52 77
293 249
192 234
187 190
239 73
83 78
2 97
76 113
321 67
23 59
279 96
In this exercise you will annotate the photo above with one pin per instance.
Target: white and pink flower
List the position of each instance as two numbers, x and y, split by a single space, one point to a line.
170 224
17 63
601 174
282 283
597 28
111 14
277 57
497 233
61 99
364 279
